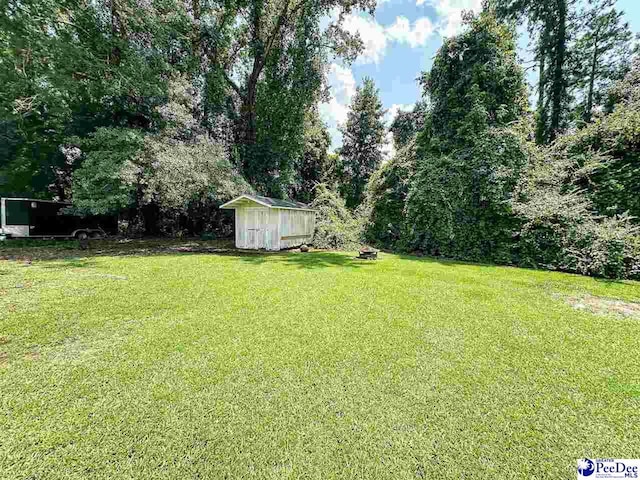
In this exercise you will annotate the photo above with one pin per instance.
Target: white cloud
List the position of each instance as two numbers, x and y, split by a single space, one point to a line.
372 35
415 35
376 37
342 82
450 13
393 110
342 87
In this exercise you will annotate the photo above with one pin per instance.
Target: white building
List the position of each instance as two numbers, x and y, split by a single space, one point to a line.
270 223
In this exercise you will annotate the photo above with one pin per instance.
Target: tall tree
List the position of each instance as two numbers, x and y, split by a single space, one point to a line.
313 166
278 43
469 153
363 137
549 24
68 67
602 54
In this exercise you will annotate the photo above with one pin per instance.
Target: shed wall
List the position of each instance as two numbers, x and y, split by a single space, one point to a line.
259 227
296 227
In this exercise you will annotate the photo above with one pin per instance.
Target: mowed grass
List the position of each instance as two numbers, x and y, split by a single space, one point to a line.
309 366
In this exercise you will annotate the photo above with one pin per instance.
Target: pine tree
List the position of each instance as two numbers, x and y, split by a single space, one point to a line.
602 54
313 165
363 139
549 22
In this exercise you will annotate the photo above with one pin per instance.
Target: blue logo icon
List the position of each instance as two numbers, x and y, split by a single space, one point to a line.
585 467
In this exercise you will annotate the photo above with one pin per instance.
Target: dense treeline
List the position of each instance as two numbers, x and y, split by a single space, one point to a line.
474 184
160 111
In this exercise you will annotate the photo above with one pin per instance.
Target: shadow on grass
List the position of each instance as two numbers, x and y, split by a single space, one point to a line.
61 259
69 263
445 261
32 250
311 260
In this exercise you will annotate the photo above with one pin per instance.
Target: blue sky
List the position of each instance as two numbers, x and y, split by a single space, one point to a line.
400 42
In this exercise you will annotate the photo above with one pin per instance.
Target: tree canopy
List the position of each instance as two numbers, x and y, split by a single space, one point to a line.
363 139
158 112
469 155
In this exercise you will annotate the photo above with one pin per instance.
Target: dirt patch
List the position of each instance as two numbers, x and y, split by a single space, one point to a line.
605 306
71 350
4 359
32 356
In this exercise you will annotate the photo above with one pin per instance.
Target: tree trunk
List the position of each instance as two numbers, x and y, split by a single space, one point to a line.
592 78
248 113
195 39
114 58
541 111
260 49
558 85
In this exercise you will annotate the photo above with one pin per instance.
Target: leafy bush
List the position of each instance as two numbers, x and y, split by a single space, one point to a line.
561 230
107 180
386 196
157 182
336 225
188 182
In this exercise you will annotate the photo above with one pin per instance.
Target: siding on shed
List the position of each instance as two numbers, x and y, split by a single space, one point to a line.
296 227
270 223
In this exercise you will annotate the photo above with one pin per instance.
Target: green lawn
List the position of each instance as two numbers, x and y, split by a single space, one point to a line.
309 366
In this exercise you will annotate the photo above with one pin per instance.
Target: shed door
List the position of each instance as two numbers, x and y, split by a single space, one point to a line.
257 228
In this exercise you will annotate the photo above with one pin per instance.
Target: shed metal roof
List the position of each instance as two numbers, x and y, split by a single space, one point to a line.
269 202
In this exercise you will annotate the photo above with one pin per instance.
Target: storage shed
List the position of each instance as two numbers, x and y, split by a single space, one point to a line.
271 223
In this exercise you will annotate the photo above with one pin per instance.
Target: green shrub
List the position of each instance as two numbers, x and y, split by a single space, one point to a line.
188 182
336 226
561 229
459 204
109 178
385 199
158 183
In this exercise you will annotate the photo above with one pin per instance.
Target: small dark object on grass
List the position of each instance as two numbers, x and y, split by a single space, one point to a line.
368 253
83 241
304 248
